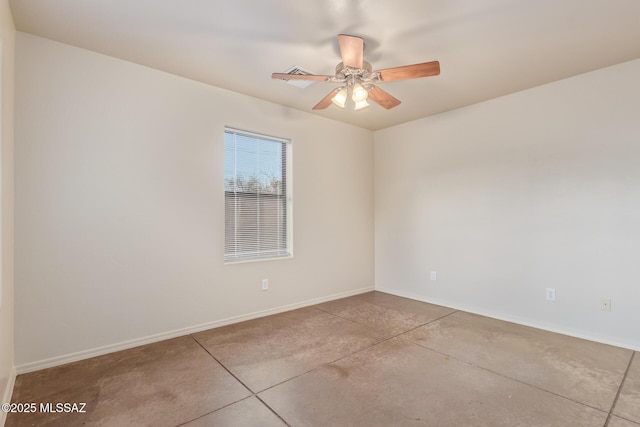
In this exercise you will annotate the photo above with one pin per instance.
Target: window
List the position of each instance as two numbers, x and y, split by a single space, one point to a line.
257 196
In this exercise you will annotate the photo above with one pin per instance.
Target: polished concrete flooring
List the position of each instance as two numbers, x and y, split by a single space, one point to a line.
369 360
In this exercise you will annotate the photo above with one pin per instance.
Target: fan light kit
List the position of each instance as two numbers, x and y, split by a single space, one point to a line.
358 80
340 97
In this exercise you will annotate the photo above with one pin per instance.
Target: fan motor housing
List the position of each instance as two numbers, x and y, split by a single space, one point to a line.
348 71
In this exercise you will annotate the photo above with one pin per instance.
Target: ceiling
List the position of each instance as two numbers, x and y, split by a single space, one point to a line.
486 48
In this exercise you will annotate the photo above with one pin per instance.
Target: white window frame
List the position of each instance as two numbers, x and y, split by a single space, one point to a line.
288 252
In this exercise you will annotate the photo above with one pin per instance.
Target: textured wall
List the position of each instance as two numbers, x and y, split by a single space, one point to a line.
508 197
120 205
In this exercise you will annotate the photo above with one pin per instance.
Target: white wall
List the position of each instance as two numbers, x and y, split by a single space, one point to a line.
508 197
7 40
119 205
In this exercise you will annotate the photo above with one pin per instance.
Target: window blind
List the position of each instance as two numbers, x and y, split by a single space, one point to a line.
256 211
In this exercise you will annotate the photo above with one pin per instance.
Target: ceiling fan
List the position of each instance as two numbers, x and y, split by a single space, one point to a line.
358 79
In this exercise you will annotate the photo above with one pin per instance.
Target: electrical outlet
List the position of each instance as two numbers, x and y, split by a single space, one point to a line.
551 294
434 275
605 304
265 284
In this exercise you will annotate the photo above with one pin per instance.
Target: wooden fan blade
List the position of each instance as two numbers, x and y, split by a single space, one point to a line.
352 50
381 97
311 77
425 69
326 101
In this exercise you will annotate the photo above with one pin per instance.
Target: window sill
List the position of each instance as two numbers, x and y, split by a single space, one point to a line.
244 261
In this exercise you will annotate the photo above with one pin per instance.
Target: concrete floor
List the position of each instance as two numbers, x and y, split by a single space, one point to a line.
369 360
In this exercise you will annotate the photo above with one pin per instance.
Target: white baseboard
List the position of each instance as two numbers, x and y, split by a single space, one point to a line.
6 396
506 318
99 351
